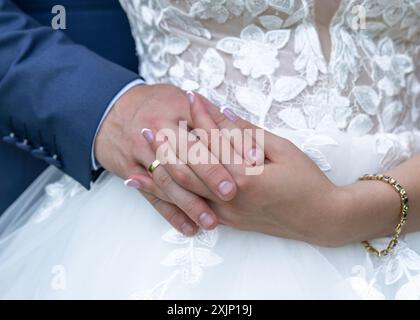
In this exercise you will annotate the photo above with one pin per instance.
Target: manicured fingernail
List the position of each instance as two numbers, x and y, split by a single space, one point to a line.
206 220
230 114
191 97
133 183
254 155
187 229
148 135
225 187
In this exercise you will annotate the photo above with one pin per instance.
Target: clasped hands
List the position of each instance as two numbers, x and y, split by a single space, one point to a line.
291 197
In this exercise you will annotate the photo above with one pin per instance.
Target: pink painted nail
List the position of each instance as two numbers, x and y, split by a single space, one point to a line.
148 135
133 183
191 97
225 187
255 155
230 114
206 220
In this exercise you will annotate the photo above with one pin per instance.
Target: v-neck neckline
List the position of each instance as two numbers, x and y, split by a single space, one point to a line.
330 25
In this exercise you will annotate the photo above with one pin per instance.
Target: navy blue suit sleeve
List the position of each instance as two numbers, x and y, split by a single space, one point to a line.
53 92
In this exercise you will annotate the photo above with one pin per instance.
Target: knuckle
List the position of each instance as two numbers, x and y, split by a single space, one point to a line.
163 180
133 140
219 118
181 177
212 172
154 201
191 207
156 191
154 122
179 101
177 98
176 219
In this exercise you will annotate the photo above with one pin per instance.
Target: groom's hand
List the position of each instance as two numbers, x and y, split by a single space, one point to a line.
174 191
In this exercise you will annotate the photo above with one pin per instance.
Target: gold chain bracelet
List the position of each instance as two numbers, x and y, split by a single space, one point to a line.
404 213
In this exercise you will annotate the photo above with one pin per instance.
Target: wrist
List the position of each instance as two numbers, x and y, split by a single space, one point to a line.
124 108
339 206
330 218
369 209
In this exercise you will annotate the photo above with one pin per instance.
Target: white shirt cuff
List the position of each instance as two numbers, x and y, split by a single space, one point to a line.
95 164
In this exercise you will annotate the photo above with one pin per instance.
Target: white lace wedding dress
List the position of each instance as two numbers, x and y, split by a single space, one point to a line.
358 113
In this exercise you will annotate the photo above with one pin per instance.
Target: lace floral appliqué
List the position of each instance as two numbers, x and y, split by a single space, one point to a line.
400 271
188 261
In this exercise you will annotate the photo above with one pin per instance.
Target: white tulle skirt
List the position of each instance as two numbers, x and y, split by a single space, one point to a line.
59 241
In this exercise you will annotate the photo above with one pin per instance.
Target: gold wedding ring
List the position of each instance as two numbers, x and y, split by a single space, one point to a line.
153 166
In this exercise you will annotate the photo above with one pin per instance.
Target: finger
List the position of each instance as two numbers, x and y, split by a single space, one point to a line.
184 176
143 182
215 113
226 143
261 137
253 139
173 215
180 172
194 206
138 178
197 156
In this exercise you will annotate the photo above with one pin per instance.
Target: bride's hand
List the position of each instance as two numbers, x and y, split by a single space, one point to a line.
293 198
290 198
